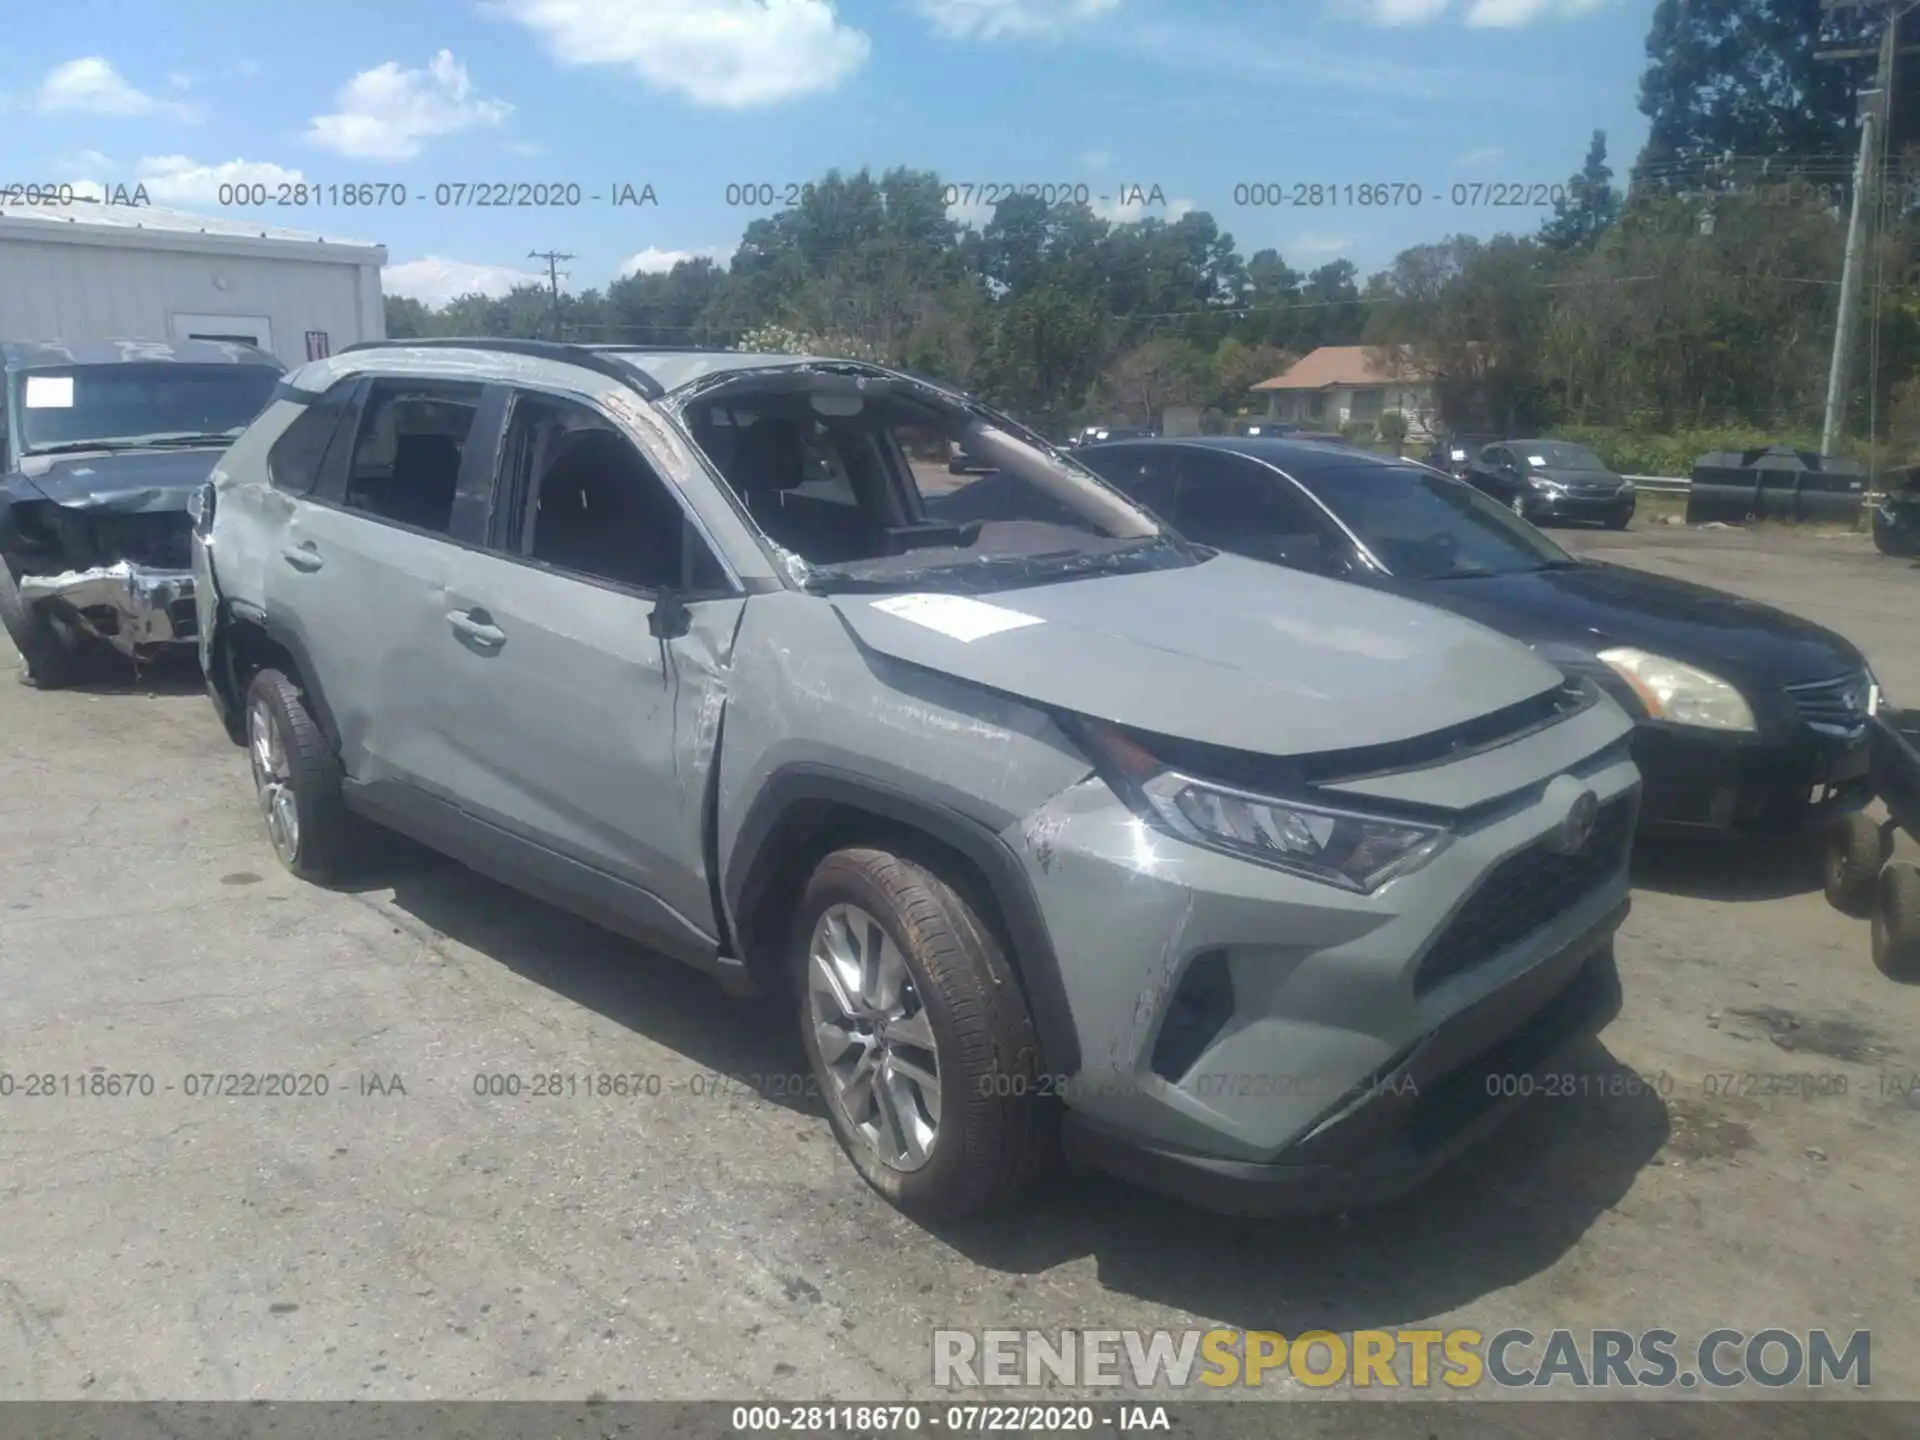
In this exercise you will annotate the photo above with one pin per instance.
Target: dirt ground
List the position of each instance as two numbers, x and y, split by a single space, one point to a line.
407 1236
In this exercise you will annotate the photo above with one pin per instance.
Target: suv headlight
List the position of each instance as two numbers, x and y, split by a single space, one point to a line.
1352 849
1540 482
1680 693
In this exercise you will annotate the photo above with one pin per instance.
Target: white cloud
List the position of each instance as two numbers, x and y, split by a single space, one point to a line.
525 147
1508 14
1128 208
1485 155
179 180
180 80
387 113
1398 12
1315 244
91 161
972 213
1482 13
436 280
655 261
727 54
993 19
247 69
1097 160
92 86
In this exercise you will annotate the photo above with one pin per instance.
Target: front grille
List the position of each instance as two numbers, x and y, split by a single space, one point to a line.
1834 707
162 539
1525 892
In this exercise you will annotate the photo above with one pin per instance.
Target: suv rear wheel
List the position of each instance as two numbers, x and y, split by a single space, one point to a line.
297 777
919 1038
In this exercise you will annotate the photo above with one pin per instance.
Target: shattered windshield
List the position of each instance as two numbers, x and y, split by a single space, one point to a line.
887 485
109 406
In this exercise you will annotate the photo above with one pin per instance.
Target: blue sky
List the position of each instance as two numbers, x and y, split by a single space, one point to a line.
1194 97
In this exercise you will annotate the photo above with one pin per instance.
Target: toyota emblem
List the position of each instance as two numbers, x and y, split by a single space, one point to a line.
1577 828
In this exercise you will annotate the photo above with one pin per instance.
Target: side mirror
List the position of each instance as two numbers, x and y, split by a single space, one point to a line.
670 618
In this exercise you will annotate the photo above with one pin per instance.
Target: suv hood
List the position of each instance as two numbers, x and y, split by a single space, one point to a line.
125 482
1228 652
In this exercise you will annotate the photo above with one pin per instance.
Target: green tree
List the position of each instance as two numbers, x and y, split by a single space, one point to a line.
1590 206
1739 79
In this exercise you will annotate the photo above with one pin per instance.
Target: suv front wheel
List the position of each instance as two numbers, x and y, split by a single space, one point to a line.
297 778
919 1038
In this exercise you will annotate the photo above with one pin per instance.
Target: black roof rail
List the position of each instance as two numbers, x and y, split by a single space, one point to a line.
587 357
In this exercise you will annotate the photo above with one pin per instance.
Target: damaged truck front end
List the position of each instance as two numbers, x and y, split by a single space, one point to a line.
115 567
103 444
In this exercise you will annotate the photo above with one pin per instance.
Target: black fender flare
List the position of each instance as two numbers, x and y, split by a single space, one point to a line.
286 638
753 863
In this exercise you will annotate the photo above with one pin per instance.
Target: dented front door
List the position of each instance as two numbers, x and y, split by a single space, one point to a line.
573 727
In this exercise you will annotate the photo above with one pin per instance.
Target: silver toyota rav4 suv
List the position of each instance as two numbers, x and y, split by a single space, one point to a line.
1065 836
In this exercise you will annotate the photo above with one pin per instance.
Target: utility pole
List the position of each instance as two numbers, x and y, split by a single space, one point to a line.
1876 114
553 259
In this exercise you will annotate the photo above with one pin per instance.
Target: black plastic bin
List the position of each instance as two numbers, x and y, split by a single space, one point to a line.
1776 483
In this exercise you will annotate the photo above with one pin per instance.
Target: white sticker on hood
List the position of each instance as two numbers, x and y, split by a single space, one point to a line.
955 615
49 392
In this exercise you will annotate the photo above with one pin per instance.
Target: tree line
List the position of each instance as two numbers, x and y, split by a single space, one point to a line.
1697 300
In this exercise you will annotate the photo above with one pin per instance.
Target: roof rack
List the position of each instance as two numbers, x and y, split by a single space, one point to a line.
587 357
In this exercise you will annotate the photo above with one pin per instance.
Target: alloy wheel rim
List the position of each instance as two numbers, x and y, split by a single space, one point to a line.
1520 505
273 781
875 1039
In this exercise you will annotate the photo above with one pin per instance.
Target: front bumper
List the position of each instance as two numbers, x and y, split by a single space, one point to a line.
1599 508
1700 783
1458 1084
134 608
1223 1010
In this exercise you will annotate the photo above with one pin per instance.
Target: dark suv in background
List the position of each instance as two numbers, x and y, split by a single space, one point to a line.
102 444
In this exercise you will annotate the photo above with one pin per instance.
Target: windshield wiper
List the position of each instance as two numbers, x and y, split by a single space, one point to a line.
69 447
206 437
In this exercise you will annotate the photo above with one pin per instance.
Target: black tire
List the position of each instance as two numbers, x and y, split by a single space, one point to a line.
997 1133
1856 848
1619 522
1896 921
46 647
319 847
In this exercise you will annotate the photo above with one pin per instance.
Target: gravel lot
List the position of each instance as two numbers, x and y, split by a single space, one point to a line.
440 1244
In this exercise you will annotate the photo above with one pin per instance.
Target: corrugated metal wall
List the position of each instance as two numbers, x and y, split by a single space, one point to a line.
75 291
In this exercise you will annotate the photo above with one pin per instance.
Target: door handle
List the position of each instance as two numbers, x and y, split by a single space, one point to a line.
476 625
302 556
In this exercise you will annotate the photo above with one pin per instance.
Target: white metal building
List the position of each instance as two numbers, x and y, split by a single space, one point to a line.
97 271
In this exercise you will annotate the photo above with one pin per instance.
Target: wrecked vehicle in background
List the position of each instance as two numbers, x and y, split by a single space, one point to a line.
104 443
1050 826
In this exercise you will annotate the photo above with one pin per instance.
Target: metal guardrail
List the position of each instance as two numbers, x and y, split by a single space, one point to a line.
1660 484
